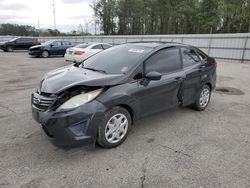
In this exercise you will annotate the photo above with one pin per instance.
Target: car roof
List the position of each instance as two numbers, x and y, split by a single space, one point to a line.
156 44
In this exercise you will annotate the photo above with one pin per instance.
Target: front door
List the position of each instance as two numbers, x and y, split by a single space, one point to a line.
56 48
162 94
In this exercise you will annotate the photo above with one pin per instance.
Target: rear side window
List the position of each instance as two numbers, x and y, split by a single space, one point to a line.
189 57
201 55
165 61
99 47
66 43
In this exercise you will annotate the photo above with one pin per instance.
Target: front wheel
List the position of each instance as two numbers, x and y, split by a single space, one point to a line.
45 54
203 98
114 128
9 49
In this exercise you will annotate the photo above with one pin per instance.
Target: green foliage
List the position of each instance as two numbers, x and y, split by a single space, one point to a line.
172 16
26 30
18 30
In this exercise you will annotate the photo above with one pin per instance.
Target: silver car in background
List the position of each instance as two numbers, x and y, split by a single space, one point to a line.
80 52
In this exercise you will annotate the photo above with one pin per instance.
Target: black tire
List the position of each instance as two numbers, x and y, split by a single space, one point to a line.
10 49
198 104
101 138
45 54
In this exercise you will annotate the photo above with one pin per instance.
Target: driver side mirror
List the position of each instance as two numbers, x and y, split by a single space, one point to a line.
153 75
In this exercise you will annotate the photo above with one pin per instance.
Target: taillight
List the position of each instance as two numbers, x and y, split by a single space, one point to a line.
79 52
215 64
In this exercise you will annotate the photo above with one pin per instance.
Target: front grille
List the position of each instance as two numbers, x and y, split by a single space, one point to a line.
43 103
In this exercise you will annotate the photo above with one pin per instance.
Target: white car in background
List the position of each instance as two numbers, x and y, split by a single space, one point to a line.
80 52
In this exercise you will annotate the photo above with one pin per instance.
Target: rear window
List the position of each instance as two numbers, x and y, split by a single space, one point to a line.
117 60
82 46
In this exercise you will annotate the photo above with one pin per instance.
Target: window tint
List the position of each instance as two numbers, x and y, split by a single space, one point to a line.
117 60
105 46
165 61
189 57
56 43
99 47
66 43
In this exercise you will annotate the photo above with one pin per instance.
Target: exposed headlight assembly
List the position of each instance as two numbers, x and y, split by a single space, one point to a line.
79 100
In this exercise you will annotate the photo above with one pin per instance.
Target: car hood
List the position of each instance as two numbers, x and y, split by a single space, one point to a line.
63 78
36 46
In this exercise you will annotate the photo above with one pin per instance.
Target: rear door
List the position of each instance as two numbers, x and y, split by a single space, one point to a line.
193 68
65 46
162 94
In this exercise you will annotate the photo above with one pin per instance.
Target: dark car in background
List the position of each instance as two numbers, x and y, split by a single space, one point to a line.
20 43
50 48
99 99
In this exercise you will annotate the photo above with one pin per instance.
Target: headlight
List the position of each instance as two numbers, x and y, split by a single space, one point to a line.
79 100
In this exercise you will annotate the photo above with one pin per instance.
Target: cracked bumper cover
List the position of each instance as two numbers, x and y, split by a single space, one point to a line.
72 127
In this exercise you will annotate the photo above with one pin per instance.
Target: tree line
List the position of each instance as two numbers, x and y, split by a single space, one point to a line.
138 17
27 30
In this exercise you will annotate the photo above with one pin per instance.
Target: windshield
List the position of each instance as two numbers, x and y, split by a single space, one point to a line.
82 45
48 42
117 60
13 40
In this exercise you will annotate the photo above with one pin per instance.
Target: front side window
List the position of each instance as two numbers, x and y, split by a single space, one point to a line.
165 61
189 57
56 43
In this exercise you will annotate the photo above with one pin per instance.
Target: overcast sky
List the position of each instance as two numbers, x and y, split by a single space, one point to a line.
69 13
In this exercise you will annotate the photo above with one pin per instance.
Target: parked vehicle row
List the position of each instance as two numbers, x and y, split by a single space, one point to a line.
71 52
98 100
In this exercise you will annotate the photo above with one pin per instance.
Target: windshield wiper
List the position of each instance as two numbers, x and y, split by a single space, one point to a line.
102 71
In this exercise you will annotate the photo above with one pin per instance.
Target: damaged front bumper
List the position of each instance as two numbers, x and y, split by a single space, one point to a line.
72 127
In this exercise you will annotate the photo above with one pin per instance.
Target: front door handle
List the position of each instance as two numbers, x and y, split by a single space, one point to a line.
202 67
178 79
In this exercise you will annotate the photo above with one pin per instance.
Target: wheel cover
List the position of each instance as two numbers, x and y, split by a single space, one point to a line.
204 97
116 128
45 54
10 49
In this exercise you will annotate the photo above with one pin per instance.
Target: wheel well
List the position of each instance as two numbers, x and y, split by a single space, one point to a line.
210 85
129 109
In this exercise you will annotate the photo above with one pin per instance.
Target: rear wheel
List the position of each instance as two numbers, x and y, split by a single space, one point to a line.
203 98
9 49
45 54
114 128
